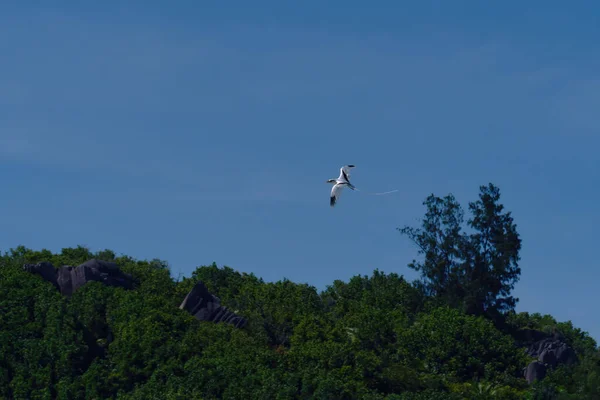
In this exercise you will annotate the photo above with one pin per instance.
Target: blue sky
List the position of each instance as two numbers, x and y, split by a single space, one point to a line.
197 133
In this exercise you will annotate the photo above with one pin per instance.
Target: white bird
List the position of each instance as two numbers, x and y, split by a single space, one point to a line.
339 183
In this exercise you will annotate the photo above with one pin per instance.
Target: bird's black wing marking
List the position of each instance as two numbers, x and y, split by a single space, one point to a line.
345 176
332 201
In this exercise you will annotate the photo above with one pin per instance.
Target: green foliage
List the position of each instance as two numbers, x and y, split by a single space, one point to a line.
372 337
40 347
574 337
462 347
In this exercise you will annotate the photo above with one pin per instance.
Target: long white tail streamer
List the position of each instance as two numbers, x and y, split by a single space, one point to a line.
377 194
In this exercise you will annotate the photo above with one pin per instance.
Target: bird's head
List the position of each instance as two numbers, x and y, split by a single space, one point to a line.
330 181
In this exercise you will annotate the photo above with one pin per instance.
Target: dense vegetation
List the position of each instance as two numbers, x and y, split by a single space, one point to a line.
449 335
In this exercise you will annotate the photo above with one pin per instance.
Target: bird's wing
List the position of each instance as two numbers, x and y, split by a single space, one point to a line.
345 173
336 191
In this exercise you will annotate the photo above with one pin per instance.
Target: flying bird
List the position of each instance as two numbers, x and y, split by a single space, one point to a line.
344 180
339 183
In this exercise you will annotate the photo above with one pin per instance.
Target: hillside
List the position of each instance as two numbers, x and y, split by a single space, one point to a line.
372 337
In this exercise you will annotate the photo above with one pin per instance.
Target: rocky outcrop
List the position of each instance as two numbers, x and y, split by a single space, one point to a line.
550 351
45 269
535 371
68 279
553 352
199 301
207 307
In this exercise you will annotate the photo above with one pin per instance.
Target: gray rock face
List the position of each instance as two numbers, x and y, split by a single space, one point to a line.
550 351
45 269
548 357
68 279
72 278
535 371
207 307
565 355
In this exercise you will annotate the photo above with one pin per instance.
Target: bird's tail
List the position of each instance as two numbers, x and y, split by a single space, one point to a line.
376 194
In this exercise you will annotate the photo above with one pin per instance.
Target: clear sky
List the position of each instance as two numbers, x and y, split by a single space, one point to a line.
195 132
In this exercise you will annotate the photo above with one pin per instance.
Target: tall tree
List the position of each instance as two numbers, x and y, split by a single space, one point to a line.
476 271
494 263
442 243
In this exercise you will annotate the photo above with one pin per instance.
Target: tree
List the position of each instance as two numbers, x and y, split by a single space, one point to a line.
494 267
442 243
476 271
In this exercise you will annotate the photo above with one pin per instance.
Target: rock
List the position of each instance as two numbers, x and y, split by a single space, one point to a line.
565 355
548 357
537 348
536 370
207 307
45 269
72 278
551 350
68 279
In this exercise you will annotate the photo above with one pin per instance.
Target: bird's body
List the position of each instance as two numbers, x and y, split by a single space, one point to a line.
339 183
